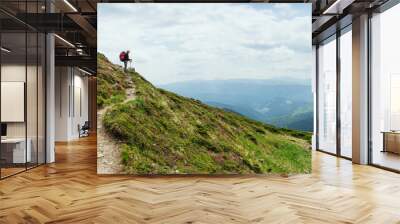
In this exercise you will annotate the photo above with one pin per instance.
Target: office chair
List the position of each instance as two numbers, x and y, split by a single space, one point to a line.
84 130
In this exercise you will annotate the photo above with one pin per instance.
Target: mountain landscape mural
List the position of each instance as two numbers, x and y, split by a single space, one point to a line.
204 89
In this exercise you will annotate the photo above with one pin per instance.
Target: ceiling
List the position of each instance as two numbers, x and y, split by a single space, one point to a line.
75 22
328 16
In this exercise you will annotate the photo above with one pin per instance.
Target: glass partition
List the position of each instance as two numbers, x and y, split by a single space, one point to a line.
327 96
41 96
22 88
32 98
14 153
346 93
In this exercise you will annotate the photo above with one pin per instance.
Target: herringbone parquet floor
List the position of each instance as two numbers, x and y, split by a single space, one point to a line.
69 191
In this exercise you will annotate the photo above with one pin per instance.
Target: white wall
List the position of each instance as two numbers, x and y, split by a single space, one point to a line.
16 73
33 126
71 87
80 89
62 81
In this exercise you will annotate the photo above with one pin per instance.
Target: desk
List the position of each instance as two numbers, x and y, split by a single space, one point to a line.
13 150
391 141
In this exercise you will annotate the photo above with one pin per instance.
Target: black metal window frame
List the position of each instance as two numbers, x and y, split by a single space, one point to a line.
388 5
334 37
44 95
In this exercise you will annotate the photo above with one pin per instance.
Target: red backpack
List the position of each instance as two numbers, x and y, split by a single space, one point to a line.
122 56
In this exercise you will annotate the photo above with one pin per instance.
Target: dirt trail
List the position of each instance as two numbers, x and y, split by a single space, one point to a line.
108 152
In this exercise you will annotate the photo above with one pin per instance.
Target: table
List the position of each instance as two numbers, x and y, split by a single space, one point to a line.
391 141
13 150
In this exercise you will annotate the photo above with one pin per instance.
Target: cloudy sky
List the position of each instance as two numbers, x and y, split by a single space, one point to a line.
179 42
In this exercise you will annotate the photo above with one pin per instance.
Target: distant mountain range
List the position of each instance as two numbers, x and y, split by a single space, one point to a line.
282 102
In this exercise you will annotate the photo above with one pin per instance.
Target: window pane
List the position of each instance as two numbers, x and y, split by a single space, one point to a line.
14 153
22 88
327 96
41 99
31 97
346 94
386 89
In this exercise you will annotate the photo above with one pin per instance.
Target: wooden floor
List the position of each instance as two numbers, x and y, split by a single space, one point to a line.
386 159
5 172
69 191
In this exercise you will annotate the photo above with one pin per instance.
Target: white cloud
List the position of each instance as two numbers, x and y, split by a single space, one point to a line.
177 42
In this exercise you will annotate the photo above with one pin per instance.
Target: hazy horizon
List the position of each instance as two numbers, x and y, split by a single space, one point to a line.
297 81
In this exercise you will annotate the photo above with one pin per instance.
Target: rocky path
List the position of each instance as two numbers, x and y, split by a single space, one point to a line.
108 152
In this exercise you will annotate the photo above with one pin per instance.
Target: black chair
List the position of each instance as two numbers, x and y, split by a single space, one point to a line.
84 130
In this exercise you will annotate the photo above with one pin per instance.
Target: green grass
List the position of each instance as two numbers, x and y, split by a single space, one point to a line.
163 133
111 82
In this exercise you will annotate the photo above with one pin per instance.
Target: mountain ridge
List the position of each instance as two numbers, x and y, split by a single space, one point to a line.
268 100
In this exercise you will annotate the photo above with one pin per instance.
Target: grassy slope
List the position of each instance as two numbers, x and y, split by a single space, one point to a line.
111 82
161 132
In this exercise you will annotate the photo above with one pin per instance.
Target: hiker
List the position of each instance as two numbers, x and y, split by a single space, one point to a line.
124 57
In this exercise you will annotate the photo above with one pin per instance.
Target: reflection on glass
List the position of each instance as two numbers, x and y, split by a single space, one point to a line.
386 89
346 94
14 153
31 100
395 102
41 99
327 96
22 90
